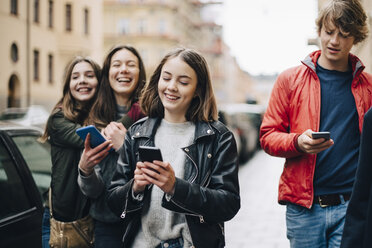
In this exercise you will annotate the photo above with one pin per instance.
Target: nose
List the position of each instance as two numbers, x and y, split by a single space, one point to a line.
335 39
82 79
172 85
123 68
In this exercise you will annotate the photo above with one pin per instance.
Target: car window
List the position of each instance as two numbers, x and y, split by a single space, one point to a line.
37 157
13 199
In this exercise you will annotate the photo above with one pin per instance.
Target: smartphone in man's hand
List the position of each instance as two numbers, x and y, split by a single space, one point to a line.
318 135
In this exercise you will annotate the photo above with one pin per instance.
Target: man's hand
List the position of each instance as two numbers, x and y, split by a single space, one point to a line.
309 145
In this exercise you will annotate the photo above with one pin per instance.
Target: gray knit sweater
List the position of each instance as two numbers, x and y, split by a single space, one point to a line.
157 223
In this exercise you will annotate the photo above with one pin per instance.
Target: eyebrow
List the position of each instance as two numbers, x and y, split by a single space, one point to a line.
181 76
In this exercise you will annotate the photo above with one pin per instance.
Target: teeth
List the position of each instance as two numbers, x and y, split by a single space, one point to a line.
171 97
83 90
123 80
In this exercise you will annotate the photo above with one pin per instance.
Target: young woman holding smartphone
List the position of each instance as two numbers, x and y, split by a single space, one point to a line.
184 200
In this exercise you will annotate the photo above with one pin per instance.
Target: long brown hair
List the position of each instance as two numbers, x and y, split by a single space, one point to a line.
73 110
104 110
202 108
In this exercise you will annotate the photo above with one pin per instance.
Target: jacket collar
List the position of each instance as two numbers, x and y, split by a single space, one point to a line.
149 126
312 58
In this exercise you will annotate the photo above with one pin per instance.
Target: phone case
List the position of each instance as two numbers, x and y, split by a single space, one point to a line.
149 153
96 137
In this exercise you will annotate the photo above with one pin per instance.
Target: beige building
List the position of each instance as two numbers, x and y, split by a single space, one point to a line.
38 38
156 26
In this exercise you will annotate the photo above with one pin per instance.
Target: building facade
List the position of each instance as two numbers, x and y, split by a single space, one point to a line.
38 39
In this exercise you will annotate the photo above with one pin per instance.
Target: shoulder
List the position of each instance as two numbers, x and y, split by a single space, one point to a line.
135 112
219 127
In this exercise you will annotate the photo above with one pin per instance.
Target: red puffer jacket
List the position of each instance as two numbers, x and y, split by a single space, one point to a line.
295 107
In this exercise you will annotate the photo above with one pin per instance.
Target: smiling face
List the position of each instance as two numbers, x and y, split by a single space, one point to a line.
83 82
123 75
176 88
336 46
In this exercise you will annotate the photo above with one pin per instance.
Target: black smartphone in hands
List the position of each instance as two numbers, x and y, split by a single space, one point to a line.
96 137
318 135
149 153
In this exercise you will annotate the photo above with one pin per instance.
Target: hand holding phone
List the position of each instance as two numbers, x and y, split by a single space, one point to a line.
318 135
96 137
149 153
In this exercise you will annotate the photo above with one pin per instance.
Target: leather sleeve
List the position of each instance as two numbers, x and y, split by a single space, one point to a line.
219 199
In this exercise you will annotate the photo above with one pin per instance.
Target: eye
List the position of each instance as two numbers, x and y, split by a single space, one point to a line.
115 65
166 78
184 83
132 64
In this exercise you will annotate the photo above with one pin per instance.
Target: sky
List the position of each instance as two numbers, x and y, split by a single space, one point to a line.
268 36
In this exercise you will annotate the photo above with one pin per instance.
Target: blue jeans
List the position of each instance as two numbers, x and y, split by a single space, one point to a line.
108 234
316 227
45 229
171 243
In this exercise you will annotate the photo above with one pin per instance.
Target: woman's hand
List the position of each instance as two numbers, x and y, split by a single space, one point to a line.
309 145
161 174
115 132
140 182
92 156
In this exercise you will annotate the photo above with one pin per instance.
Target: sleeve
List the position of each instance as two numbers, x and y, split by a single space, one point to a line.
63 131
217 200
92 185
360 202
274 132
119 197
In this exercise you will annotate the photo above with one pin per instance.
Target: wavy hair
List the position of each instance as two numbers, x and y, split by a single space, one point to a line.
104 110
203 107
348 15
74 110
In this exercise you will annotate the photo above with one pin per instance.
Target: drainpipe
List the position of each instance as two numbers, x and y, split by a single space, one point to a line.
28 55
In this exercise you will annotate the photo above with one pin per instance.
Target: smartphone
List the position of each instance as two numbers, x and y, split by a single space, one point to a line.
96 137
318 135
149 153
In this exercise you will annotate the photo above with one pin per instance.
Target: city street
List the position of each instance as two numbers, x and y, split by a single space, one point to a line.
260 223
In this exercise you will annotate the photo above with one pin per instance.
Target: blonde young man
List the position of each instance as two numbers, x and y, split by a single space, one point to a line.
328 92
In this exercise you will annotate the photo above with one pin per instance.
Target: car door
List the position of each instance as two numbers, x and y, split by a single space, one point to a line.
21 203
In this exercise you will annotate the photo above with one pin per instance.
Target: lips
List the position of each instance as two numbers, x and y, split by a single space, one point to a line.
84 89
124 80
334 49
171 97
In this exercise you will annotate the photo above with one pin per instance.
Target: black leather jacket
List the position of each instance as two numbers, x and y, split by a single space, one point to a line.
208 194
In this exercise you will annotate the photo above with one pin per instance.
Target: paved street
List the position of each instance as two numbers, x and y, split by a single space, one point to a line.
260 223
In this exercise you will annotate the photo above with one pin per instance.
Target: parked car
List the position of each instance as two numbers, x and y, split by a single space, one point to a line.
25 174
246 119
34 115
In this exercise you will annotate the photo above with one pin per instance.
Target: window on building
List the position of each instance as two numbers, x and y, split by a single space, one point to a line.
86 21
68 17
50 14
50 68
36 65
142 26
14 52
36 10
14 7
123 26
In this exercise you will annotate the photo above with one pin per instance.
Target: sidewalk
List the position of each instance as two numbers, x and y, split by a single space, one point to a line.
260 223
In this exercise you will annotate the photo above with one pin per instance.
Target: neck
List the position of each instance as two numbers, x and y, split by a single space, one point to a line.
121 100
340 65
172 118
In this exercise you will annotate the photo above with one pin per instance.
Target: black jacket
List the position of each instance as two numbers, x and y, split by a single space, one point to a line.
358 223
208 194
68 202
